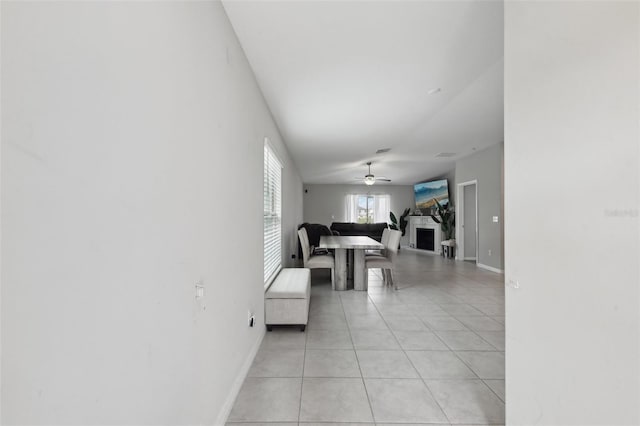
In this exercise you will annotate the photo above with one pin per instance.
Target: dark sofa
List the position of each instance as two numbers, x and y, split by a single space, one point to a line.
373 230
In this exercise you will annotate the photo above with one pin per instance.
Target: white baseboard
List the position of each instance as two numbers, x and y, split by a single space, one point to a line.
469 258
421 251
491 268
237 384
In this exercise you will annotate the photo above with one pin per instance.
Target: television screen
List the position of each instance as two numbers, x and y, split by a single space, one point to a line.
427 191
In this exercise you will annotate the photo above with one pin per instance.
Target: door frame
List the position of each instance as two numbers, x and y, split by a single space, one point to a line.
460 220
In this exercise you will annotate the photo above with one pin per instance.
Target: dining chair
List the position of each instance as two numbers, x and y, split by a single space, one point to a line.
311 261
384 241
387 261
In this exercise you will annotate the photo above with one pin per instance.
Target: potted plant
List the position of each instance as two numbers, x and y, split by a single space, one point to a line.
402 226
446 217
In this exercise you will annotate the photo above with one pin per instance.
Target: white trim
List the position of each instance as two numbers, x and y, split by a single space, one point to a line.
273 149
237 384
421 251
490 268
460 220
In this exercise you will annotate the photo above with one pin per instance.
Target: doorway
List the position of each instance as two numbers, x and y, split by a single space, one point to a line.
467 221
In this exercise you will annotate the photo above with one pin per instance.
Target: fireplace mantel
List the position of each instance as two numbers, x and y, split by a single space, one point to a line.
425 222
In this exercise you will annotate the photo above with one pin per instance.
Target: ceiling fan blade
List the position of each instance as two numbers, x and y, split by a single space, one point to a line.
383 179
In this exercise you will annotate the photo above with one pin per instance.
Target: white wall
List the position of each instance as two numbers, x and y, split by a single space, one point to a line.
132 146
571 212
486 167
327 203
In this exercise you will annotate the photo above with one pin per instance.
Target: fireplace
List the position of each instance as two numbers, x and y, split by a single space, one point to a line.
425 239
425 234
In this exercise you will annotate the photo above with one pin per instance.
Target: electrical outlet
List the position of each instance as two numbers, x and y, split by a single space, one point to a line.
489 252
199 290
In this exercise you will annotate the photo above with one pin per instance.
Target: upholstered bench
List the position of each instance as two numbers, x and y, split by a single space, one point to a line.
287 299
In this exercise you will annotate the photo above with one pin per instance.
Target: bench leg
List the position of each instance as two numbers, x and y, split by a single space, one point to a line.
302 327
269 328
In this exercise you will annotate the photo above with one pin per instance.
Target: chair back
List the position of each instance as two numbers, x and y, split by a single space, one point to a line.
304 244
393 244
385 236
384 241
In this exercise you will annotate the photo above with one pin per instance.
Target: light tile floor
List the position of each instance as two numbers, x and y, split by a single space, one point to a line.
430 353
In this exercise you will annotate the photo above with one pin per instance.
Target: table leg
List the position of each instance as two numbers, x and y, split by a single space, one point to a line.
340 270
360 281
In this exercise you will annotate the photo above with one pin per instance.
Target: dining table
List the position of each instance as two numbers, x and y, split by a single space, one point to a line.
350 247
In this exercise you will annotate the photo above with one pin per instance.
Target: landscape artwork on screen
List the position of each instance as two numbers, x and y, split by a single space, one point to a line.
427 191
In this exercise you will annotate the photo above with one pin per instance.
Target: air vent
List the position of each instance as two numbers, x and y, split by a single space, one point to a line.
383 150
445 155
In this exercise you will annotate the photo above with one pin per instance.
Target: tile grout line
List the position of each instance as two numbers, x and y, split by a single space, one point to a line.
469 366
427 385
415 369
491 389
364 385
454 353
304 360
420 376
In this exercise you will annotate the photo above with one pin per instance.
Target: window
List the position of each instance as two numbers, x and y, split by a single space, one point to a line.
272 214
366 208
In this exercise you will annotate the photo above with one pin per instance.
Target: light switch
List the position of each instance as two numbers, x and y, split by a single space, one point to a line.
513 283
199 290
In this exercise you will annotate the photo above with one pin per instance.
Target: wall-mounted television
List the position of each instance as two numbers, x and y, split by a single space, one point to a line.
427 191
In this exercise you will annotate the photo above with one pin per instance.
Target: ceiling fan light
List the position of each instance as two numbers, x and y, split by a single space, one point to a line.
369 180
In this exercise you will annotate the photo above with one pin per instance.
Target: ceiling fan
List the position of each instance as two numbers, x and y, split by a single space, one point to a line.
370 179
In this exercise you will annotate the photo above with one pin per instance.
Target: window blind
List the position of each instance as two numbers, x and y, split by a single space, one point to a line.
272 214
